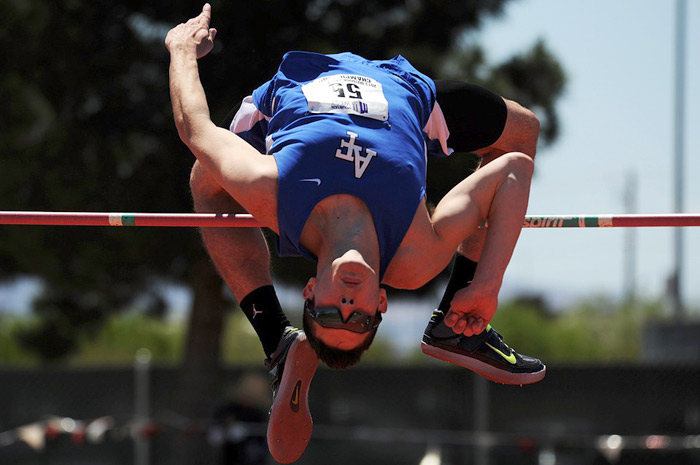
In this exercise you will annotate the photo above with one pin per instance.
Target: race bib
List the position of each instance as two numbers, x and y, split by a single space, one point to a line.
347 93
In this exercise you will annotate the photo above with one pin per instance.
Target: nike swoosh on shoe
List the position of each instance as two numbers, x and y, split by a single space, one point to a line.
508 358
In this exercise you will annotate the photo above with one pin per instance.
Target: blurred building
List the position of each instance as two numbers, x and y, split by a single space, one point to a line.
672 342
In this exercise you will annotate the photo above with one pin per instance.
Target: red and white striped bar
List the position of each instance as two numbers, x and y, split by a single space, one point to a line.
612 221
188 220
225 220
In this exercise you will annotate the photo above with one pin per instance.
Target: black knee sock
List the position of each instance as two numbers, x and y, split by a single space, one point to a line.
265 314
462 274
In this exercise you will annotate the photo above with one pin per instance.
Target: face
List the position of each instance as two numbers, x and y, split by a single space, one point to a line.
350 285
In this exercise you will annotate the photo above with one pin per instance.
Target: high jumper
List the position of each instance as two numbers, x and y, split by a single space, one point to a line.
330 154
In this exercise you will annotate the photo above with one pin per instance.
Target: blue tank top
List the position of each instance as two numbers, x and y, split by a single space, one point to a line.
341 124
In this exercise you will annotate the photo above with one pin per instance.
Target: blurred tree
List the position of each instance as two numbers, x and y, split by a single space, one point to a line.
86 125
594 330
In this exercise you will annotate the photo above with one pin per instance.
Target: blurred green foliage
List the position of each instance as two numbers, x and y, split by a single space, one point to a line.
596 330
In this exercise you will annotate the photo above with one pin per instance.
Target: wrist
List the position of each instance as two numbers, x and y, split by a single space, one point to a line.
182 49
487 284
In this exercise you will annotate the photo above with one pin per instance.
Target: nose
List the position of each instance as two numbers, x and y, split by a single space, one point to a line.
345 301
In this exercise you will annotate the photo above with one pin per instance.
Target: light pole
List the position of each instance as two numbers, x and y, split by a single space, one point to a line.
679 139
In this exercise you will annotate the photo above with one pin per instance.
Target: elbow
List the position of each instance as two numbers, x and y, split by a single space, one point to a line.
190 130
182 129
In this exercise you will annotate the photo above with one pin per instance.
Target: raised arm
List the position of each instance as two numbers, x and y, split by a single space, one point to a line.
247 175
187 42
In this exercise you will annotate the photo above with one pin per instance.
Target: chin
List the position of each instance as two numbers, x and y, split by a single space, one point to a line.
355 269
352 258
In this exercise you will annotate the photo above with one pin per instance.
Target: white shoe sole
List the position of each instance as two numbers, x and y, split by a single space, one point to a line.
484 369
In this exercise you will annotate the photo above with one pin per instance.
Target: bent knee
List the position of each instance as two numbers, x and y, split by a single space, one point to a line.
208 195
519 163
201 183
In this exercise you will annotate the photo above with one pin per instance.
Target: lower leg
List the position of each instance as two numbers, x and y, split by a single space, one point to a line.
243 260
461 275
463 267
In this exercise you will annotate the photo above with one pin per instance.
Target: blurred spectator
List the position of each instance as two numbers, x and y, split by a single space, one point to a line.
241 421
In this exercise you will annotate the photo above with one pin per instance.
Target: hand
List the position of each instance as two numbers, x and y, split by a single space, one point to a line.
471 309
194 34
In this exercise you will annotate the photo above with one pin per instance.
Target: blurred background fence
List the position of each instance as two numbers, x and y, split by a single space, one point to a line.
383 415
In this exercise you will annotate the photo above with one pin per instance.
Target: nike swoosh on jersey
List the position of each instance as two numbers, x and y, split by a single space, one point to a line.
316 180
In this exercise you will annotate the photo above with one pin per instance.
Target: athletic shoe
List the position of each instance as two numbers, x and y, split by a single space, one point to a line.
485 354
292 366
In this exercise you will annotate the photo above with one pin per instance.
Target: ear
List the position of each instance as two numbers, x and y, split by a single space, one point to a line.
383 304
308 292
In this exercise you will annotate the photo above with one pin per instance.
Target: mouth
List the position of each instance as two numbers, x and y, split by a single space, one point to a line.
351 281
351 274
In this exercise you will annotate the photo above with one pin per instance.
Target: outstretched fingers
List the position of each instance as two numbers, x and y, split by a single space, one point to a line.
205 15
195 33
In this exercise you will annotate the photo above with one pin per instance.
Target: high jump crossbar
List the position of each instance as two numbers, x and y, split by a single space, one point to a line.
226 220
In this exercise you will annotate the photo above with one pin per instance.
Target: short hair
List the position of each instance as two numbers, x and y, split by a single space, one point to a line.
335 358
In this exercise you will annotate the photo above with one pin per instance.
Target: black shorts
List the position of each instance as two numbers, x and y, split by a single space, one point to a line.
475 116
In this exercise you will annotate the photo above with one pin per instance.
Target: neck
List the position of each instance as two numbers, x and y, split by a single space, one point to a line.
340 224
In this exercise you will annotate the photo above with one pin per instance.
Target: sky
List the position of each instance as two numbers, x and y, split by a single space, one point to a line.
617 123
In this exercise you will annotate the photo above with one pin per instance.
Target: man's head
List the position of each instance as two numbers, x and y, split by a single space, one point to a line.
342 310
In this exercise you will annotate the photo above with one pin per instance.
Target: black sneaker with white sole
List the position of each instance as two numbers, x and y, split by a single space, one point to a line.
485 354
